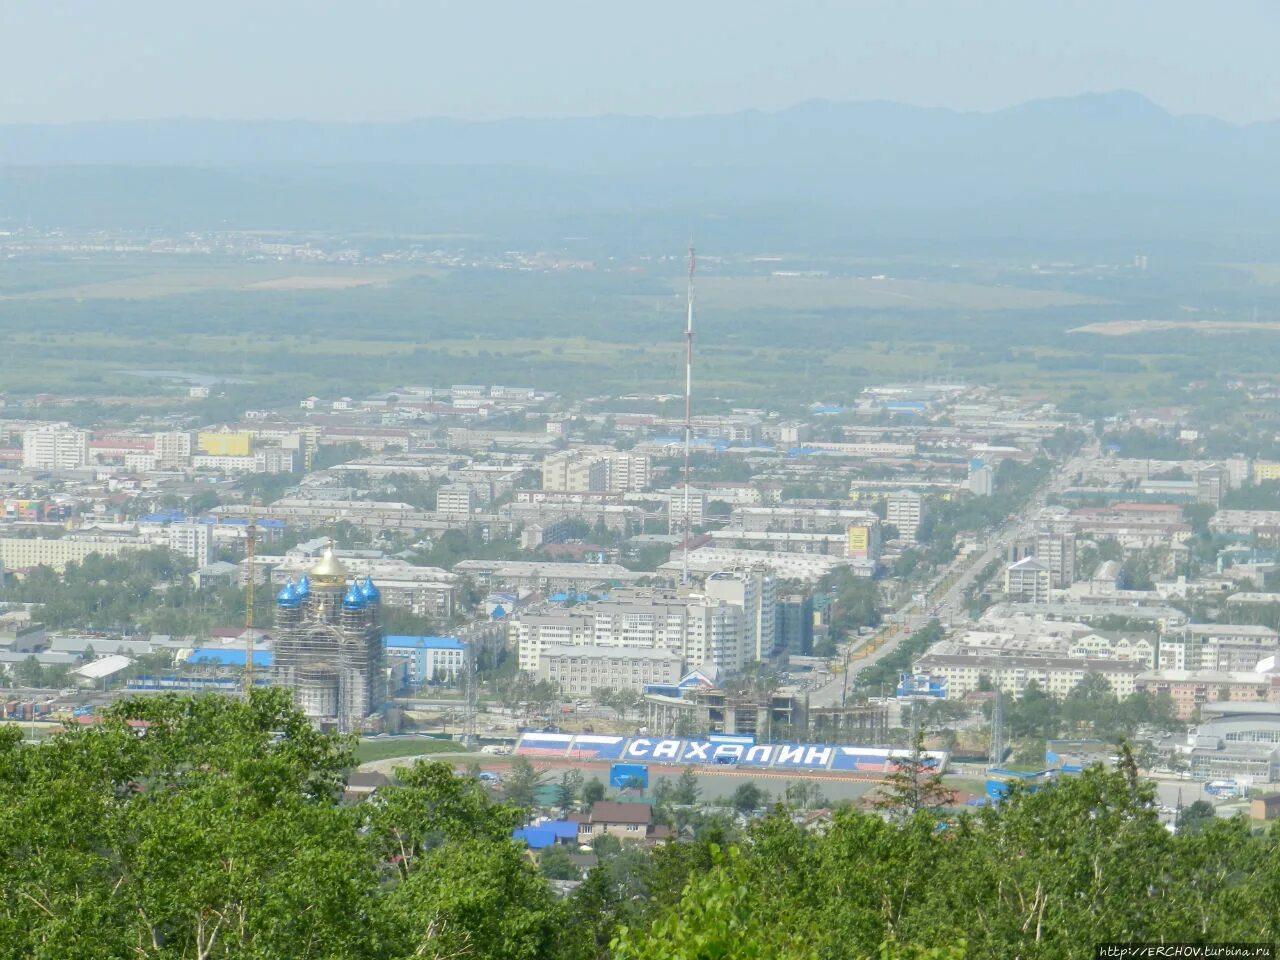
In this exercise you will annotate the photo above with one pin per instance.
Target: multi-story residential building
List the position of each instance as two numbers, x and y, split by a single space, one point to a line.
1217 646
427 659
797 519
225 443
1211 484
1057 676
55 447
532 633
754 590
192 539
20 553
1191 689
1056 549
717 635
1028 581
455 499
595 469
905 510
794 622
173 449
583 669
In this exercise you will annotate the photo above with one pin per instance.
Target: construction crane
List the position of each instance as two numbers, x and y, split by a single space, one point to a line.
251 579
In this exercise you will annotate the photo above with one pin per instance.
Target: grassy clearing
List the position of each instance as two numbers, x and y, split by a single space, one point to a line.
836 293
386 749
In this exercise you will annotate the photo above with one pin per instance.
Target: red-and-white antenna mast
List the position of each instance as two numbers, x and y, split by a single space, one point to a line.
688 414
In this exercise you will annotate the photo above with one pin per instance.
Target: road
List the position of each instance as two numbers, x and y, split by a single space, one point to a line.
945 593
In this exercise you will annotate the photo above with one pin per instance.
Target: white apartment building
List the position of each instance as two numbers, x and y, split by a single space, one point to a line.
581 670
595 470
532 633
20 553
1217 646
173 449
754 590
904 510
455 499
1056 676
55 447
1028 581
716 635
192 539
699 629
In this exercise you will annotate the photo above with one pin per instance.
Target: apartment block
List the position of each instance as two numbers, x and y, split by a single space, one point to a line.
905 510
55 447
581 670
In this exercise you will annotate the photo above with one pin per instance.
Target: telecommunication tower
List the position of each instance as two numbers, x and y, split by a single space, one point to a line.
688 415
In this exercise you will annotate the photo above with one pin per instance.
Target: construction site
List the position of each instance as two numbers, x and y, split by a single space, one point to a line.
328 646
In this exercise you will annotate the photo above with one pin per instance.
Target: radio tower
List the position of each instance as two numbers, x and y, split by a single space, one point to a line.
251 577
688 416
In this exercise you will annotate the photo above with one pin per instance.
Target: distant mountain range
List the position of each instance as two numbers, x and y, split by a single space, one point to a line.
1097 162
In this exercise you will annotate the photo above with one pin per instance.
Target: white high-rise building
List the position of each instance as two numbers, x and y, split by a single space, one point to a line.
55 447
192 539
755 592
904 510
595 471
173 449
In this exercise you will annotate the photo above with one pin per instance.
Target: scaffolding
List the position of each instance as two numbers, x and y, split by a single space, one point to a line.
328 647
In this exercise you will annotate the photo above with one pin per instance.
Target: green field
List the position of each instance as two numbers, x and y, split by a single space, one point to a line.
79 325
390 748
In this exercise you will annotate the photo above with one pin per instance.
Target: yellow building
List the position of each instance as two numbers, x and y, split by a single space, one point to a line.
1262 470
225 443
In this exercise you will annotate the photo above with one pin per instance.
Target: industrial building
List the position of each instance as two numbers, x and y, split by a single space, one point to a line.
328 646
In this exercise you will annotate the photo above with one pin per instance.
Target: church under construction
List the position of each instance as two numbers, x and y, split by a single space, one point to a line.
328 646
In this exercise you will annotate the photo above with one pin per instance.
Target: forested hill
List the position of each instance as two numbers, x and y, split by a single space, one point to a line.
1110 166
219 833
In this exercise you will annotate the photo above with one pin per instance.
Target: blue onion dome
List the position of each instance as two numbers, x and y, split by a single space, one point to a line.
288 595
304 587
370 593
354 600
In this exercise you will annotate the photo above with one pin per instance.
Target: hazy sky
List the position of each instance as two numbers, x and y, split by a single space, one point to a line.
391 59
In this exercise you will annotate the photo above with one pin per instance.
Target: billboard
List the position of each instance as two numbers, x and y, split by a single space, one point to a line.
624 775
860 542
716 749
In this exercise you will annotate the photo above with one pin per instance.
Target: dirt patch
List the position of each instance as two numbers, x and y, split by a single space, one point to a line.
1120 328
312 283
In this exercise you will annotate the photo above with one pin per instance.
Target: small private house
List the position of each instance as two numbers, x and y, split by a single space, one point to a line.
626 821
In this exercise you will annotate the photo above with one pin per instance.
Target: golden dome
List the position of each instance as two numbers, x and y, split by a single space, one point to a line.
329 572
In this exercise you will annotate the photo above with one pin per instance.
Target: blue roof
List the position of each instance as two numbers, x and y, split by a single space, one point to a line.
164 516
498 613
304 586
425 643
229 657
538 838
370 593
